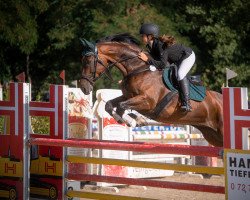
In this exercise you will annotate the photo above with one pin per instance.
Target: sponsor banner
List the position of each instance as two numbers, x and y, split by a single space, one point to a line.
237 168
80 113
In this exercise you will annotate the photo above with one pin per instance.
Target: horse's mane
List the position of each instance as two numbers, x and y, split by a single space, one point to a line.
120 37
124 38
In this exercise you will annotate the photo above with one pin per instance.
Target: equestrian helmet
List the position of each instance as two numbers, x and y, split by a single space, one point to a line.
149 29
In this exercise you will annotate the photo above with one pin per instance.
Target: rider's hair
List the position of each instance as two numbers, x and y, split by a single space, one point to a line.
168 40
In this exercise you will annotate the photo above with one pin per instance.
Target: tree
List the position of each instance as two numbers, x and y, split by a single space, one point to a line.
220 30
42 37
18 33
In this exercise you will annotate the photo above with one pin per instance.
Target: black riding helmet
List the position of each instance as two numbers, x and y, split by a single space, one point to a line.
149 29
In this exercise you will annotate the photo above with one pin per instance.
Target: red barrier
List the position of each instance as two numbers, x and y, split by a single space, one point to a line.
132 146
145 182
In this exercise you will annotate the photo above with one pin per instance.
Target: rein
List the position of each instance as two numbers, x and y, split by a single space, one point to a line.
92 78
137 71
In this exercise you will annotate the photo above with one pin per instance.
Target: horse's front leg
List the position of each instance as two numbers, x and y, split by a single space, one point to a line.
138 103
119 114
139 119
110 108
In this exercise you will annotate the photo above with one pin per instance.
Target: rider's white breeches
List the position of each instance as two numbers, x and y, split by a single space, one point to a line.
185 66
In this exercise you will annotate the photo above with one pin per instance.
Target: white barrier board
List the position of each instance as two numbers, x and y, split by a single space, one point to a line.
79 126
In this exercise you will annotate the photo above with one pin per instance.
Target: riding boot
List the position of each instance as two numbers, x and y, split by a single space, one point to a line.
185 100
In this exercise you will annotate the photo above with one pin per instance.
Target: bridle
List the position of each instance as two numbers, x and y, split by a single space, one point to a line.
92 78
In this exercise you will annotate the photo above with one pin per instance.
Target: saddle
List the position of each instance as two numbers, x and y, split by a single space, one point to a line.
169 76
197 90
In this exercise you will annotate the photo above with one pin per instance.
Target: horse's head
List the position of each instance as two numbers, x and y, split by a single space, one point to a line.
92 68
99 58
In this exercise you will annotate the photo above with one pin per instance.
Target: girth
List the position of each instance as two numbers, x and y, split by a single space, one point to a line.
162 104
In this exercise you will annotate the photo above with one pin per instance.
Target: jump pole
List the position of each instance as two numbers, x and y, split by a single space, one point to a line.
132 146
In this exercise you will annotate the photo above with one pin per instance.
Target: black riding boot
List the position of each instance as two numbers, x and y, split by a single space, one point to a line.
185 100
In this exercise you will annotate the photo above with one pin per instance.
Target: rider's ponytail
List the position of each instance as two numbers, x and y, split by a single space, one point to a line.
168 40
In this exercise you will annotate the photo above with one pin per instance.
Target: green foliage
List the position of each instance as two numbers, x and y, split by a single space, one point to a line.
42 37
40 125
1 124
18 24
214 28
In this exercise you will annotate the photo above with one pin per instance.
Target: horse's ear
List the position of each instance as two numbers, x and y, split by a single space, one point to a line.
88 45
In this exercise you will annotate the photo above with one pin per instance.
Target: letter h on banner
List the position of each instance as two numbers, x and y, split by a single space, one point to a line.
236 118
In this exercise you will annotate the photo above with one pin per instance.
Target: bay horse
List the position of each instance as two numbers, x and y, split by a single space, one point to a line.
142 89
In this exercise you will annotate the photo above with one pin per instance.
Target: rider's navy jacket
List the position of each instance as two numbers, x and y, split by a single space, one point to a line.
163 55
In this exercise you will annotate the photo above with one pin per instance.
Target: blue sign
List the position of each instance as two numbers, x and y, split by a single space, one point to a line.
157 128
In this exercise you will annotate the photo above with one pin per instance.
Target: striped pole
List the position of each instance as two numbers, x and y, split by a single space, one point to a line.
168 136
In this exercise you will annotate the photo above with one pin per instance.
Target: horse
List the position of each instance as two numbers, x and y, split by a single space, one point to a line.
143 89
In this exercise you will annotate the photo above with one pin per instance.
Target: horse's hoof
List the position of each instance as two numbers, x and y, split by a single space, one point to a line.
133 123
129 120
141 121
120 121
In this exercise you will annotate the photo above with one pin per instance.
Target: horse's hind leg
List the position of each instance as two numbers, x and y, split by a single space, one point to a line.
214 137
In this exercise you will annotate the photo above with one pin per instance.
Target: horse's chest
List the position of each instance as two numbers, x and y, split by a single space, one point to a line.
130 91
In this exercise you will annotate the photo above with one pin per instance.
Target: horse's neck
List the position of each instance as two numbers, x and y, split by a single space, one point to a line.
131 62
118 53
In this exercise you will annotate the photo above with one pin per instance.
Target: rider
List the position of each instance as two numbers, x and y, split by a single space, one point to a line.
165 51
